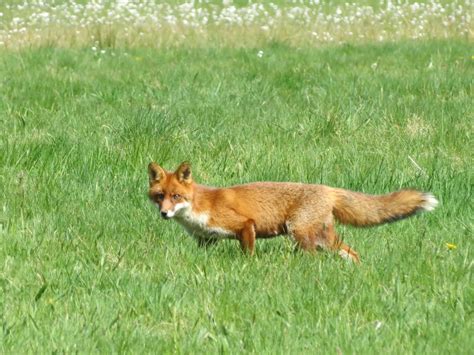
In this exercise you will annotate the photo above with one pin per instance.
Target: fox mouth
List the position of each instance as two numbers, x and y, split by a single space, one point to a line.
177 210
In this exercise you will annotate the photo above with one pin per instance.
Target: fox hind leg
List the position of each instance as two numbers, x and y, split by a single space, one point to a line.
333 242
306 226
305 238
346 252
324 236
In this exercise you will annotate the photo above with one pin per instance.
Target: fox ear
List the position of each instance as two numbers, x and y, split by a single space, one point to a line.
155 173
184 173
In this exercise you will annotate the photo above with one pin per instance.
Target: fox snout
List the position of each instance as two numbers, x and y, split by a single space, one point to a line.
167 209
164 214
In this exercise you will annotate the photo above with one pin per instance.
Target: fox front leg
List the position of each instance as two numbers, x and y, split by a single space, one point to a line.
247 237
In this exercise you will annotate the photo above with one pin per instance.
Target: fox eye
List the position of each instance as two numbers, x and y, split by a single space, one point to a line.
176 196
160 196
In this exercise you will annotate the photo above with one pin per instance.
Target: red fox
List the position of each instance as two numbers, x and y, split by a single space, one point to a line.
268 209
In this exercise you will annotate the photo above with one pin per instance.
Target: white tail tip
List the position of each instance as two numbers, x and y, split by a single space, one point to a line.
430 202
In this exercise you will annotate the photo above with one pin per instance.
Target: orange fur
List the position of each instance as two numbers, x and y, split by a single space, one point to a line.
267 209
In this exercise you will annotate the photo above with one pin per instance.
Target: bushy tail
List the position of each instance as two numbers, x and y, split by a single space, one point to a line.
363 210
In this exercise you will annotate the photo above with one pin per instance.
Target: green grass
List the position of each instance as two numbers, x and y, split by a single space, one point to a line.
87 265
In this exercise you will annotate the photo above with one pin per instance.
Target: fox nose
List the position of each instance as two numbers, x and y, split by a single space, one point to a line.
164 214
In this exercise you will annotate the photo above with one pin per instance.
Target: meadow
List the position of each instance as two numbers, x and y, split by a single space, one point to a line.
87 265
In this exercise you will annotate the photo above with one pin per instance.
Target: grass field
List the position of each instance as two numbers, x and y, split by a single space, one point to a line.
87 265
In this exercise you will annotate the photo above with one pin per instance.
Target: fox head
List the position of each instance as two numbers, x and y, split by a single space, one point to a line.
171 192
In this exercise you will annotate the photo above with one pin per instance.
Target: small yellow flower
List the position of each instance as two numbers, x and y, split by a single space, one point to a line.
451 246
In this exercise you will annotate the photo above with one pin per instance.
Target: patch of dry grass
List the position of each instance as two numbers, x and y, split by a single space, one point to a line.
103 24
